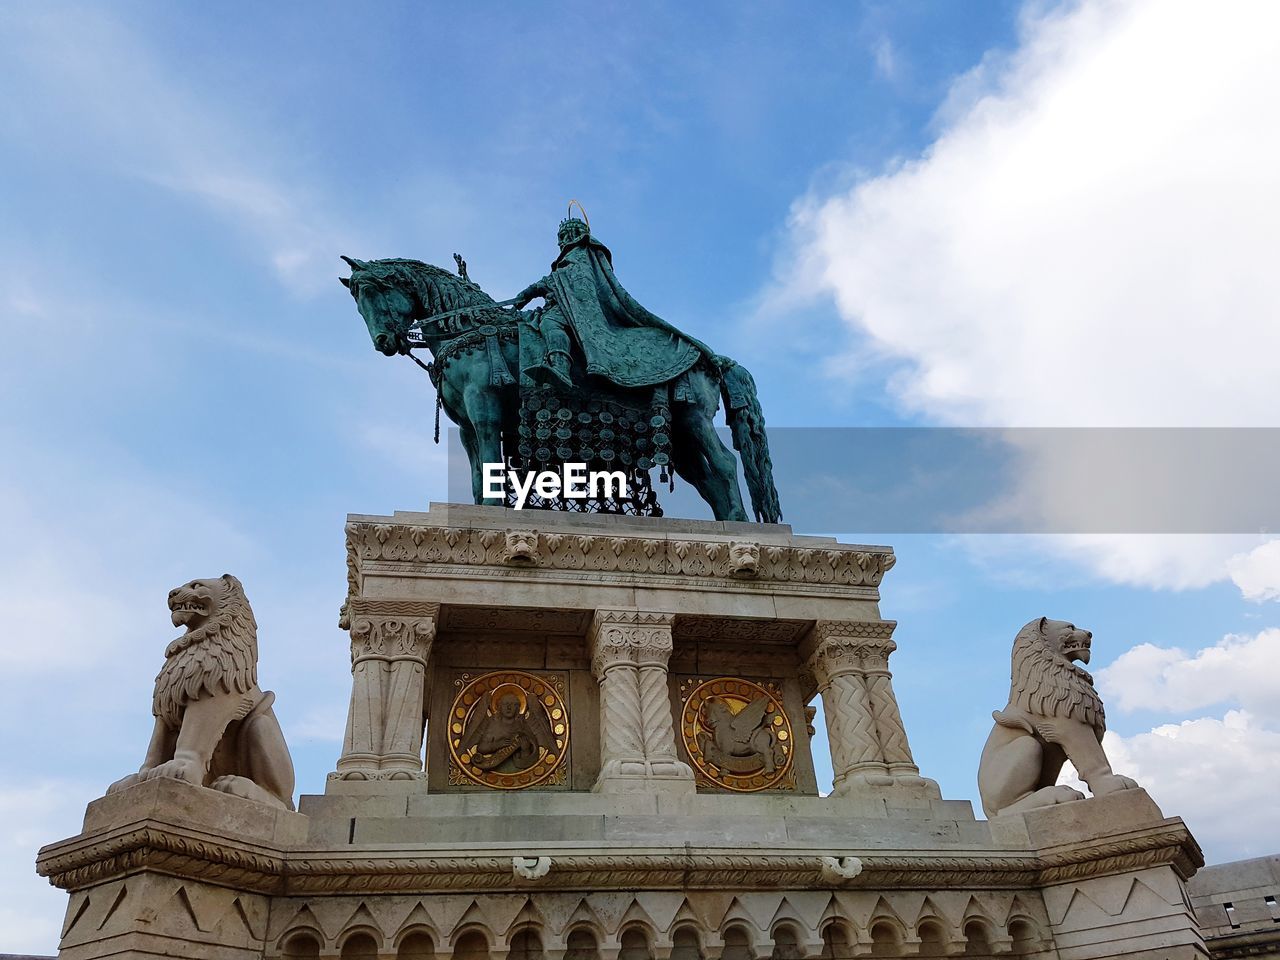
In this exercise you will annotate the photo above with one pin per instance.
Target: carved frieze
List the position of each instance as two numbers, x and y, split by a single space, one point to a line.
741 630
495 619
731 561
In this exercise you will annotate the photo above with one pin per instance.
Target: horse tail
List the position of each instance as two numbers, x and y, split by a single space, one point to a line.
746 422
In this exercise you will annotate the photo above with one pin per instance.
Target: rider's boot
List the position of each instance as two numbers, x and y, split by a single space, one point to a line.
555 372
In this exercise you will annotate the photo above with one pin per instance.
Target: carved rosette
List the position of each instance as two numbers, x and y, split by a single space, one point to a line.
630 650
848 664
390 650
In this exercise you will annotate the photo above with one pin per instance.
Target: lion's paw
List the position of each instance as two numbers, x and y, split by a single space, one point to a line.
246 789
124 783
174 770
1112 783
1064 794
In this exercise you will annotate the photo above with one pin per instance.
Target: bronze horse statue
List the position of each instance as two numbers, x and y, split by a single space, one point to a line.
475 345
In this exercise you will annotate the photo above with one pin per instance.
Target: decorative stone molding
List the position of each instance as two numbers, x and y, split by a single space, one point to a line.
834 564
88 860
501 619
390 649
738 630
630 650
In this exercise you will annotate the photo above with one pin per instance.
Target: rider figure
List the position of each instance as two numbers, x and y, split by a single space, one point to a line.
620 340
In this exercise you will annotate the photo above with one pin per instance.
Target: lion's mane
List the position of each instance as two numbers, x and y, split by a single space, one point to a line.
1047 684
219 656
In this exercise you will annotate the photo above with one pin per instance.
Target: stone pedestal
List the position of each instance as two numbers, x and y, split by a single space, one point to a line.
616 766
1140 908
166 869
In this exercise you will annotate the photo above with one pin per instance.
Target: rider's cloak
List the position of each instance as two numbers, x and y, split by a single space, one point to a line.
620 339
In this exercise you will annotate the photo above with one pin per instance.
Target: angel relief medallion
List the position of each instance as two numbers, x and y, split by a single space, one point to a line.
508 730
737 734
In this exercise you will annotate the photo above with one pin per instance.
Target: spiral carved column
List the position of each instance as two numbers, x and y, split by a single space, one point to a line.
892 735
847 661
835 663
629 654
390 649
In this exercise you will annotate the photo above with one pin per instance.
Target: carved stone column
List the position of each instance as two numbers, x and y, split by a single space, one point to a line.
894 748
630 650
834 660
849 664
390 649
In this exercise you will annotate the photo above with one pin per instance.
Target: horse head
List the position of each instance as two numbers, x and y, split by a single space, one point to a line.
387 305
392 294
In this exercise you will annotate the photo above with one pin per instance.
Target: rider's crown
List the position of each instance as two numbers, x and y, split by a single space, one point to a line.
571 230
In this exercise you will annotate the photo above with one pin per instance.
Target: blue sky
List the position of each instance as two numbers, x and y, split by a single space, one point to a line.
922 213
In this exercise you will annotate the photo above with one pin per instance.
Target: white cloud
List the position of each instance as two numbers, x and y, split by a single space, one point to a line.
1237 670
1257 573
885 58
1089 241
1219 775
1158 561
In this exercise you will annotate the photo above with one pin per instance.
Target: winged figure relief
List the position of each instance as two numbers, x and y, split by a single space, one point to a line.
742 742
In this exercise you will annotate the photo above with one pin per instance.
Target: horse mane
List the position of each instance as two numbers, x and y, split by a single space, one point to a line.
437 288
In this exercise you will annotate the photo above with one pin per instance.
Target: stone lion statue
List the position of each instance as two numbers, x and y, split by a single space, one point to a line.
1053 715
214 726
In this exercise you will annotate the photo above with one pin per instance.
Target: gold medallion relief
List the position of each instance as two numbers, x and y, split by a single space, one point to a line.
508 730
737 734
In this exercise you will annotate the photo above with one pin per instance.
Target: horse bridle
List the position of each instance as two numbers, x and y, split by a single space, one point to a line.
430 368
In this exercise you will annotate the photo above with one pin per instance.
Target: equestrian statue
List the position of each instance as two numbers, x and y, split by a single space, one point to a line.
589 376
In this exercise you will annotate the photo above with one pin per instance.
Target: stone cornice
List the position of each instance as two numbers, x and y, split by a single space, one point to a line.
150 845
670 555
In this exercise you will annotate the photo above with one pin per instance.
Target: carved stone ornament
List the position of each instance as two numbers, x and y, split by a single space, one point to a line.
744 559
509 730
1053 715
530 868
520 547
602 557
214 726
737 734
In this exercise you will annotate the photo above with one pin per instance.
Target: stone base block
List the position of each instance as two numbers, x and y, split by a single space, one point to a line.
153 915
1141 908
167 869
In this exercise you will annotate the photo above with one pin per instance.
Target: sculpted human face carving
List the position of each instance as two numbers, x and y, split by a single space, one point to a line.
509 707
1066 639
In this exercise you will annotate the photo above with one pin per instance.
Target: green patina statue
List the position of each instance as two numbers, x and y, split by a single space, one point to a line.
621 340
601 380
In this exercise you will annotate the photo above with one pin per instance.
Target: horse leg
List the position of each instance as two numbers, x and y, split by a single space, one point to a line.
485 414
468 436
721 464
691 466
